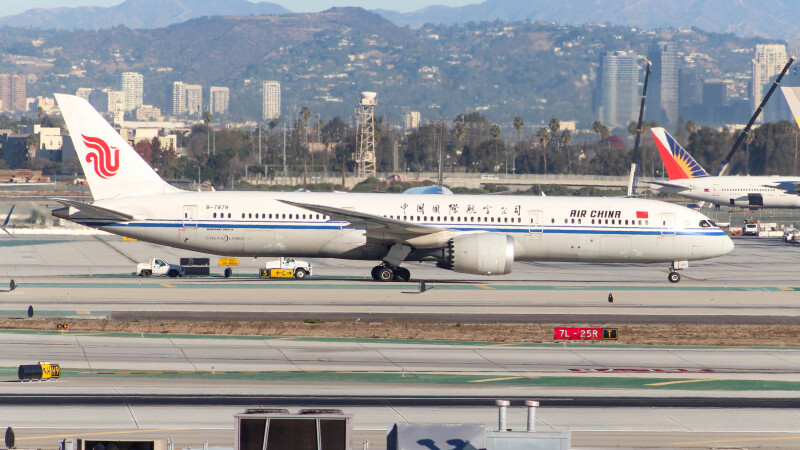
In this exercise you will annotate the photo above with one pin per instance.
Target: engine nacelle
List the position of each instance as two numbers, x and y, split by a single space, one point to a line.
480 254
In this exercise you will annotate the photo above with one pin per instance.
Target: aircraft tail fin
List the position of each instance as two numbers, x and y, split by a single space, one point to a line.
5 222
792 95
678 162
112 167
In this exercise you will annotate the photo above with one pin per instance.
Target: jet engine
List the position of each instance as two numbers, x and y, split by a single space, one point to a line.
480 254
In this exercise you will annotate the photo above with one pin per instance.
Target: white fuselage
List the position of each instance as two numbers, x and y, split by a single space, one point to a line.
543 228
741 191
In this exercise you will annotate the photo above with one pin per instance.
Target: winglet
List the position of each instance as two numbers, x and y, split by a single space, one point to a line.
5 223
678 162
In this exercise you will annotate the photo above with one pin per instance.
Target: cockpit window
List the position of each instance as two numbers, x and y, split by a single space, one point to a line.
707 223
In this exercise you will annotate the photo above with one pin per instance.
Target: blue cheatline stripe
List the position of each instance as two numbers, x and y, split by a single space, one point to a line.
620 231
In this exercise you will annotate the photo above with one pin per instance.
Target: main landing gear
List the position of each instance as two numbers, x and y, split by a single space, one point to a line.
390 268
674 276
386 273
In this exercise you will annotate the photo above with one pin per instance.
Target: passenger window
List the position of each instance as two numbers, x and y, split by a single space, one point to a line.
579 221
242 215
215 215
229 215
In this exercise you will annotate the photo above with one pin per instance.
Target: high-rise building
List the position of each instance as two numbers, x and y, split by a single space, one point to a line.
219 98
13 92
411 120
664 81
116 105
84 93
132 86
18 93
619 81
271 93
5 92
768 62
178 98
194 99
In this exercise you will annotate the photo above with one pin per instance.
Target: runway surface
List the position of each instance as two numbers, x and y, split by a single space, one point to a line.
90 276
188 387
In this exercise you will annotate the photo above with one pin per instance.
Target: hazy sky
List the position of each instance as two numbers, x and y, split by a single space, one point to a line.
10 7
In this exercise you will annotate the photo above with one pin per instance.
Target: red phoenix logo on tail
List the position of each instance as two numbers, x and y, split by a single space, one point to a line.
105 164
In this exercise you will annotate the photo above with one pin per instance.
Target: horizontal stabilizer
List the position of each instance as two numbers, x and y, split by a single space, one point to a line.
677 187
94 211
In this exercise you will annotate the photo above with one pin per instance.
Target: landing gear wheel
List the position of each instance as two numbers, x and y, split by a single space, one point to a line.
228 272
402 274
374 273
385 274
674 277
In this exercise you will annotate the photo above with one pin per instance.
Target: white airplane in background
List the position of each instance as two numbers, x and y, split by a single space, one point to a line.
480 235
688 179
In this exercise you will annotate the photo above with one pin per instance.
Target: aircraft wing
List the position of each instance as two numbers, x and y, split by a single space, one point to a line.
368 221
791 187
677 187
94 211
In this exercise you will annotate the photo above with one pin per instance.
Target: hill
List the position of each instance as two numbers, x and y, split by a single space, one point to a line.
137 14
777 19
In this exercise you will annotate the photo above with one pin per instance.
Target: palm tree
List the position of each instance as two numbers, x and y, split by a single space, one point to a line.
554 126
495 132
605 132
207 118
327 141
566 138
518 124
597 126
40 113
305 112
543 136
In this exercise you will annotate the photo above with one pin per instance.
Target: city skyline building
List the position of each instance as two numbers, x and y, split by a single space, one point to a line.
84 93
178 98
619 81
271 102
219 98
194 99
664 79
132 85
768 62
13 92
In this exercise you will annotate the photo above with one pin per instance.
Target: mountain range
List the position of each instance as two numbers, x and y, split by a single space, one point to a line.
776 19
137 14
773 19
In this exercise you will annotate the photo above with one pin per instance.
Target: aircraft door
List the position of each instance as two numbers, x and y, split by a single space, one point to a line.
715 190
535 222
755 199
190 216
668 224
187 234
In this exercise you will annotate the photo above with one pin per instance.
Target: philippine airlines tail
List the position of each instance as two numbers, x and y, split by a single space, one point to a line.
792 95
678 162
112 167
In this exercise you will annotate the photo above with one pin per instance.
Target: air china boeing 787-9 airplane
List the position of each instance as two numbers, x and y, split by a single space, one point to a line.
474 234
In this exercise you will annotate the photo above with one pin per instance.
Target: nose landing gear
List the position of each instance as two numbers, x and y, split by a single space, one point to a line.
674 276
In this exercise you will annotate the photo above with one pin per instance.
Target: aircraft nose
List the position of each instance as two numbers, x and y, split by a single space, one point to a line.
727 244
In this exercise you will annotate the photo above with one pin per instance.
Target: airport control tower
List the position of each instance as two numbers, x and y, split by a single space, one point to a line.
365 123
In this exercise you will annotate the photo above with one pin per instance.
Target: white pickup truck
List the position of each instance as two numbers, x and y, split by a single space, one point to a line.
286 268
157 266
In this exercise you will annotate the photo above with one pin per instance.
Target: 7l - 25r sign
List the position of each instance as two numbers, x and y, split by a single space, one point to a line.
584 334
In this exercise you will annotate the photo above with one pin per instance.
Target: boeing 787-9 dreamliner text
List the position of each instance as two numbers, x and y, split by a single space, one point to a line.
481 235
